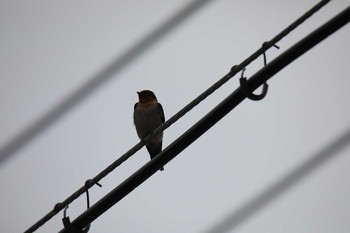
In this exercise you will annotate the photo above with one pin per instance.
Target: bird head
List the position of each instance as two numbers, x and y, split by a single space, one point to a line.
146 96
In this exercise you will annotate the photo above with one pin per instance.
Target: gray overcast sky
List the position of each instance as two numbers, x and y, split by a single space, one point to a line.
50 48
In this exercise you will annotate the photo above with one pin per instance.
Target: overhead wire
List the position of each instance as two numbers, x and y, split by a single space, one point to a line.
215 115
234 70
98 79
262 199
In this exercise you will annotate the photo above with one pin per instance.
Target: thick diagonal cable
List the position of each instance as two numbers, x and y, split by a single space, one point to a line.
238 68
209 120
60 206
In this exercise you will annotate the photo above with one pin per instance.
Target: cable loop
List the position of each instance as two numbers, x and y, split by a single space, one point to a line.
248 92
66 221
68 225
265 46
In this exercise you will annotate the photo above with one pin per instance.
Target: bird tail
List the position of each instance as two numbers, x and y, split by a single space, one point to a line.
154 148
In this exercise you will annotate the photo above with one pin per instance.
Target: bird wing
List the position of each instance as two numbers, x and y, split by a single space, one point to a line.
161 112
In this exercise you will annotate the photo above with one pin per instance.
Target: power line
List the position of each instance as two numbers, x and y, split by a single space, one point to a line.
209 120
98 79
60 206
250 208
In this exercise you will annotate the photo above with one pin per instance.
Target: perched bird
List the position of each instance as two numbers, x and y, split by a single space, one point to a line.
148 116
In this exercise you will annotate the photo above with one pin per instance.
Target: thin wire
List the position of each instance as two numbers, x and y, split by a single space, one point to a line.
234 70
210 119
107 73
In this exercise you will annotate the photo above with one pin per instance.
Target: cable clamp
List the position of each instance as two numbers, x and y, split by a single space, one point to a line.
248 92
68 225
264 46
66 221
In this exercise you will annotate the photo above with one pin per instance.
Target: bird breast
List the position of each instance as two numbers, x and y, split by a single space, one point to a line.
147 118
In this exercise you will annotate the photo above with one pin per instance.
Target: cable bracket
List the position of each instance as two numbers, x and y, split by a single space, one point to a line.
66 221
247 90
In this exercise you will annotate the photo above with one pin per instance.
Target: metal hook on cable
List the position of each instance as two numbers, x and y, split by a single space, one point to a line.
66 221
248 92
264 53
68 225
243 81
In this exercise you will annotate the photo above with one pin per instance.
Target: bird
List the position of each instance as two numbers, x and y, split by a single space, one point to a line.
148 116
